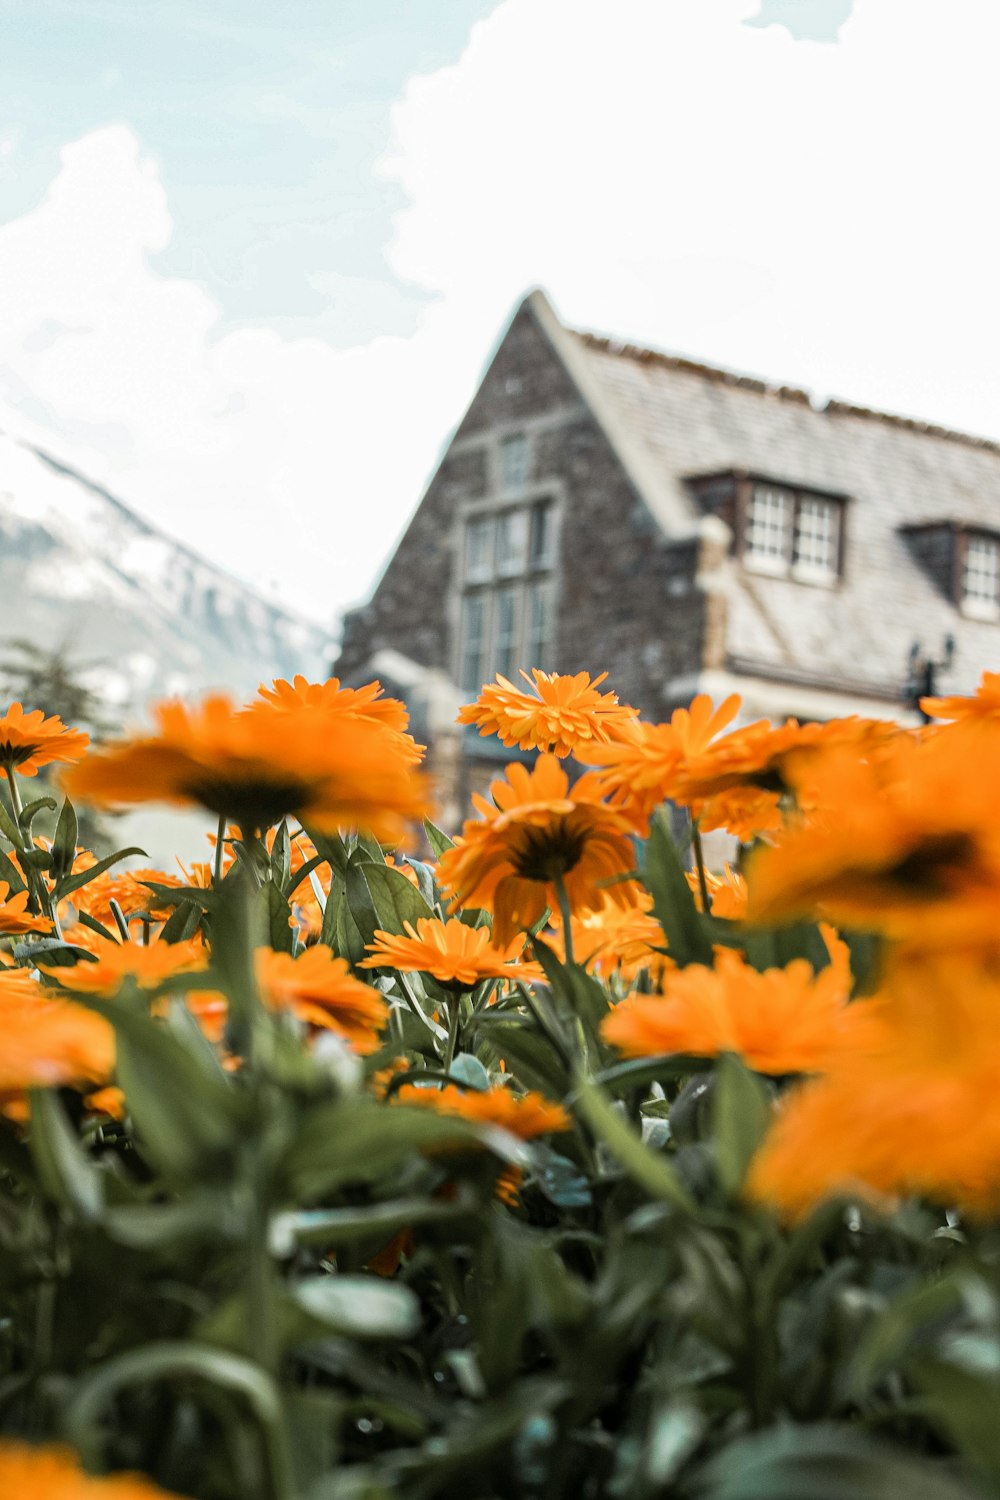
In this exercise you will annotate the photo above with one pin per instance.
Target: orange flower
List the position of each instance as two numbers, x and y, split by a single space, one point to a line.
540 831
259 764
146 965
984 703
727 893
611 938
30 741
451 951
761 756
789 1020
746 812
561 713
915 1110
321 990
14 914
48 1042
524 1115
362 703
127 889
55 1474
907 842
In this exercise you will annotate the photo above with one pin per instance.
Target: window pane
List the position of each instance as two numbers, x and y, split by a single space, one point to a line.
505 643
540 541
512 538
515 462
539 642
769 527
479 549
981 579
473 643
817 537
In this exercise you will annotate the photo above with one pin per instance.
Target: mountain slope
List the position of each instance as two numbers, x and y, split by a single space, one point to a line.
146 615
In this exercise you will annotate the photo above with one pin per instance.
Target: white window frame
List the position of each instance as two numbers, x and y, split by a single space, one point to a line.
810 569
516 454
785 561
762 500
981 605
479 568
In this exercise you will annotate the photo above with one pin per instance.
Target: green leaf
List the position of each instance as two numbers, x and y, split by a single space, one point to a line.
649 1169
65 1171
8 827
64 841
638 1072
281 933
964 1403
438 841
359 1306
332 847
536 1061
199 1217
182 923
342 1226
583 995
395 899
71 883
281 857
31 810
470 1071
673 900
741 1112
776 947
54 951
11 874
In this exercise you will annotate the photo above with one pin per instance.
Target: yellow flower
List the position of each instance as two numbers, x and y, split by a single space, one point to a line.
321 990
539 832
727 893
48 1042
55 1474
613 938
259 764
561 714
351 703
14 914
30 741
453 952
147 965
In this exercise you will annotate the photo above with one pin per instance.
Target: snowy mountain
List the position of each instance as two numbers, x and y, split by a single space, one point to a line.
144 614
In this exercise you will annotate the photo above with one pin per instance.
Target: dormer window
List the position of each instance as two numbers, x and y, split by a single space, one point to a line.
963 561
779 529
981 576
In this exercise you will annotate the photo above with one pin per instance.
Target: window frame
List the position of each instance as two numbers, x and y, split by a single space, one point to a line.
729 494
971 608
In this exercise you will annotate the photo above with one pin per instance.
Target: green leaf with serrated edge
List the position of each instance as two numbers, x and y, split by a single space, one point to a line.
64 1170
650 1170
64 841
12 875
673 900
359 1306
741 1113
72 883
438 841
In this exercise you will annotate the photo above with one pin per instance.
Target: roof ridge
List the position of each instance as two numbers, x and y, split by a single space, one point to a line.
644 354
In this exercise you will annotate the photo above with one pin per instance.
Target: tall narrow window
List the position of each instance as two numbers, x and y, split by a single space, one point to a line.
506 640
540 538
473 662
981 577
512 537
769 528
539 632
479 550
817 538
515 462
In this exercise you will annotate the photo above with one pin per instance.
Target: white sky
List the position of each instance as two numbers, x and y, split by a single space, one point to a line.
822 213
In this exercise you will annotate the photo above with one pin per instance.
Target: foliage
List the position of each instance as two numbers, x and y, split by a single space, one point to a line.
336 1232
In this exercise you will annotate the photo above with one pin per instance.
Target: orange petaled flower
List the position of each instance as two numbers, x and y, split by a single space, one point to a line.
55 1474
788 1020
259 764
48 1042
321 990
349 703
451 951
746 812
30 741
524 1115
984 703
907 842
127 889
540 831
612 938
14 914
727 893
916 1110
560 714
147 965
643 765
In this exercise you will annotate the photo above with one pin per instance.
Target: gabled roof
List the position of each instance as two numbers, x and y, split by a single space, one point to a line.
670 418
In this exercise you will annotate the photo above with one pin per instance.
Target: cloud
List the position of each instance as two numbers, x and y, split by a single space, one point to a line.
820 214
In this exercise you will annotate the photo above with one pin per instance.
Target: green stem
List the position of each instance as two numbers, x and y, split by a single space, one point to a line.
219 847
562 896
38 891
699 856
120 921
454 1021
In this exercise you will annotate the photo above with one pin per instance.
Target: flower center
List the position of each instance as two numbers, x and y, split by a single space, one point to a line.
547 853
931 868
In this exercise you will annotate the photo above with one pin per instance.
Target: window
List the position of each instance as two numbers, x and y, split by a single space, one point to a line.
817 538
769 528
515 462
781 530
981 577
506 615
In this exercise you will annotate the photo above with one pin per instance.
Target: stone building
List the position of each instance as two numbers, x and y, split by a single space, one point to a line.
608 507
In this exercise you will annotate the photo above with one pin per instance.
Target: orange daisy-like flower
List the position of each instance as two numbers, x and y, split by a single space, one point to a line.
539 832
727 893
915 1110
125 887
15 916
147 965
48 1042
560 714
329 697
454 953
789 1020
321 990
984 703
613 938
55 1474
525 1115
259 764
30 741
907 841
